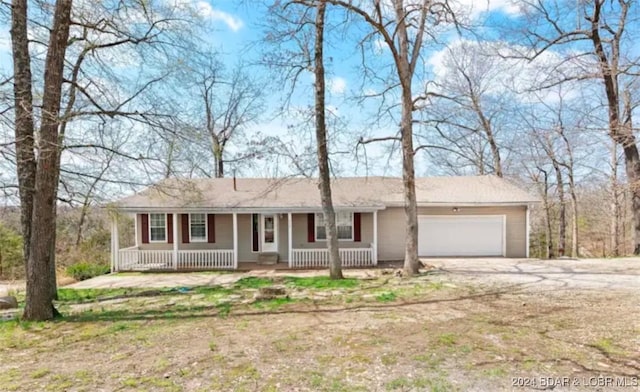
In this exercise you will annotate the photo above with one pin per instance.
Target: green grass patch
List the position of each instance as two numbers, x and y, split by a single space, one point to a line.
224 309
40 373
320 282
388 296
86 295
447 339
84 270
402 383
605 345
495 372
212 292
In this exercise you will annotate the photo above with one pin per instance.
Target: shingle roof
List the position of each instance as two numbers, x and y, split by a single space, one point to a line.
303 193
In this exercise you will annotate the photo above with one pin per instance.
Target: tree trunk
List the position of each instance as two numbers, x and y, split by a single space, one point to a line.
574 222
488 131
217 150
335 264
405 72
41 264
562 224
547 214
24 128
615 203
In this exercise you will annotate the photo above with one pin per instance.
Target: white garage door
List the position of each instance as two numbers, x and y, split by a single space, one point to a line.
461 235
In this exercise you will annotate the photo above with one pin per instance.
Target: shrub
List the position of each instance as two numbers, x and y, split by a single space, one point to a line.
11 261
84 270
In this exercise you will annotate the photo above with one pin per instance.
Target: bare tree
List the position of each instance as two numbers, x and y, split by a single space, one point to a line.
228 104
402 27
335 264
40 235
605 30
467 109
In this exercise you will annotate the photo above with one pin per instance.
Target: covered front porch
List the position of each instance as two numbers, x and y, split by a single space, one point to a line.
215 240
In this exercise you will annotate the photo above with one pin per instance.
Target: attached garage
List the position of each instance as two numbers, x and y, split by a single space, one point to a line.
461 235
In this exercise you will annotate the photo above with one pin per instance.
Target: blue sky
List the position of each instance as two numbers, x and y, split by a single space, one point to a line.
238 26
237 29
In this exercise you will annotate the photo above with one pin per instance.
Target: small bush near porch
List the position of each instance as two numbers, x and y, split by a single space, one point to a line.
371 332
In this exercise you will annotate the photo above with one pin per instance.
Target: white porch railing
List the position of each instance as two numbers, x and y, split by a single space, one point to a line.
319 258
134 259
205 259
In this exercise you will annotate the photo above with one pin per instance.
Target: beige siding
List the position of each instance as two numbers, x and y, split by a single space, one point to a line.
391 228
244 239
283 238
224 236
300 234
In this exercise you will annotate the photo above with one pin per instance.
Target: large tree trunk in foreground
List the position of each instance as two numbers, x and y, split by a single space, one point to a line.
41 264
405 72
24 128
335 264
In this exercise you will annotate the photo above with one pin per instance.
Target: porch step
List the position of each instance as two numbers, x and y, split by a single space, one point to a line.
268 258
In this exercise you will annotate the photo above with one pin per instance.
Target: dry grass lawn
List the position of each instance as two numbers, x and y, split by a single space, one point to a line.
427 333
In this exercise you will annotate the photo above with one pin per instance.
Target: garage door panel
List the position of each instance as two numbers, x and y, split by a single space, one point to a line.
461 235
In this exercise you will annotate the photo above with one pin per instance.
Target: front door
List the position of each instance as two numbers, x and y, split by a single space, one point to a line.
269 233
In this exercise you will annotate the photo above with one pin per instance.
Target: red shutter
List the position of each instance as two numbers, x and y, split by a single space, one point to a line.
357 231
169 228
254 229
144 218
211 228
311 227
184 224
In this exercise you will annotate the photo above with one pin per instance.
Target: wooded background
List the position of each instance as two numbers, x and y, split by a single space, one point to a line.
541 93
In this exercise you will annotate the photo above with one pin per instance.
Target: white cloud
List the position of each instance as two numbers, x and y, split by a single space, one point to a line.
337 85
504 73
475 8
206 10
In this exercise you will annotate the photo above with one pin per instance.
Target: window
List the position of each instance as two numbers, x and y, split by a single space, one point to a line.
197 227
158 227
344 225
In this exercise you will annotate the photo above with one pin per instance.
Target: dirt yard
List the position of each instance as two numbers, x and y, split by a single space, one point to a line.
461 327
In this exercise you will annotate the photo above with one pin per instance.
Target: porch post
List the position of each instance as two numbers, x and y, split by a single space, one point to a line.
135 229
114 243
374 255
527 222
175 241
235 240
289 237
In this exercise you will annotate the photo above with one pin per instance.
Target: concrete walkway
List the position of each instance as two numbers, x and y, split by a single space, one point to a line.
192 279
589 274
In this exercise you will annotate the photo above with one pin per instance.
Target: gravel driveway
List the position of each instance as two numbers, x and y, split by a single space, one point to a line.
591 274
587 274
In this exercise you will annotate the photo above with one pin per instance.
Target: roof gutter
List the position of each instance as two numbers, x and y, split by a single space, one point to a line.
243 210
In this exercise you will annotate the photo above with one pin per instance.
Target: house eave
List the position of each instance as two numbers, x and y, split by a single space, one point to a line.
243 210
472 204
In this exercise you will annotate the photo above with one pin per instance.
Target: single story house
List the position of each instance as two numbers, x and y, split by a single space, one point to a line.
221 223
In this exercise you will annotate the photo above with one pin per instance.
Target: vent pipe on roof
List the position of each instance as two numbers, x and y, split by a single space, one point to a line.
235 187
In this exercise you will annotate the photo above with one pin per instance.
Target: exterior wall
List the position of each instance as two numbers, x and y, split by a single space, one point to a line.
244 239
300 234
224 236
391 228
